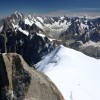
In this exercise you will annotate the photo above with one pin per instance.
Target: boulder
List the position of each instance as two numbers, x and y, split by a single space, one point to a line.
18 81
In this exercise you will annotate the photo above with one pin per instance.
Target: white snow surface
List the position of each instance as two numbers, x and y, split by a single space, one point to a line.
83 26
1 28
42 35
39 24
23 31
28 22
20 29
62 17
75 74
40 19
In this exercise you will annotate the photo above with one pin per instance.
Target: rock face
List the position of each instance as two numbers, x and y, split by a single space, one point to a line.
90 48
20 82
31 47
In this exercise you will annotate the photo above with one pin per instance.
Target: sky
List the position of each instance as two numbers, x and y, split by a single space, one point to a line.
8 7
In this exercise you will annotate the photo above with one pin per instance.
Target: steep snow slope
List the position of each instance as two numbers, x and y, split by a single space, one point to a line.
75 74
1 28
20 29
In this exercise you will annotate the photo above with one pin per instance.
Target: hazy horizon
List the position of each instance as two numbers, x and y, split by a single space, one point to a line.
50 7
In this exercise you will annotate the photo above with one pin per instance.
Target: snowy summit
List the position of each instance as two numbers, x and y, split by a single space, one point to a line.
75 74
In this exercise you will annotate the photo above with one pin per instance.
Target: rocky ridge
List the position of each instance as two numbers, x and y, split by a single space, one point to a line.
20 82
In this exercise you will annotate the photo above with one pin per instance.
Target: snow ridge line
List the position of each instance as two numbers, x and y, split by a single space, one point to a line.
47 60
54 54
50 60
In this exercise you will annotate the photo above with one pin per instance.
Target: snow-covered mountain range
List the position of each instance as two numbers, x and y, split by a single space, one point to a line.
82 34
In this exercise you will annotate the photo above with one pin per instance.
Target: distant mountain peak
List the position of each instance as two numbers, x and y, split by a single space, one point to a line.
17 12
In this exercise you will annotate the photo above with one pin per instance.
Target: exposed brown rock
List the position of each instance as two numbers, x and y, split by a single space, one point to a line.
20 82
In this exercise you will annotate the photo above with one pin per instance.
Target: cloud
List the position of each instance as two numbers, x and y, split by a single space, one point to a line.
76 12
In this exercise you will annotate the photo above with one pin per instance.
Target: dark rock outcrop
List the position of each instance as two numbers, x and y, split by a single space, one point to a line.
20 82
32 47
93 51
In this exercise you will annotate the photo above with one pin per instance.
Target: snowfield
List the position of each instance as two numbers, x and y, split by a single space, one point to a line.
75 74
